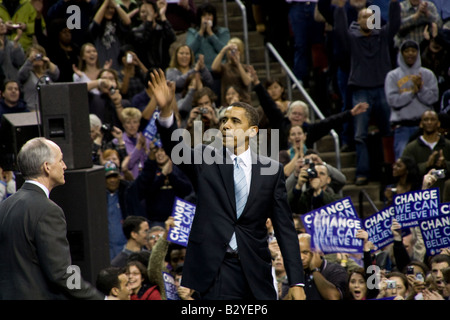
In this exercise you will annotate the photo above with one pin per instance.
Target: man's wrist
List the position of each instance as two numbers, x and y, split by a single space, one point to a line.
298 285
315 270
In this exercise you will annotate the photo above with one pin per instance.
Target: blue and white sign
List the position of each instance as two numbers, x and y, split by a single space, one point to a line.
413 206
343 208
170 287
151 131
378 226
183 213
333 228
436 230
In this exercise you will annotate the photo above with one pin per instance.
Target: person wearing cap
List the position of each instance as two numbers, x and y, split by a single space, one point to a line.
115 191
410 91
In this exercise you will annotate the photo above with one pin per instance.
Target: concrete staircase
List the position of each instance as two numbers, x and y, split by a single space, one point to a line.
325 146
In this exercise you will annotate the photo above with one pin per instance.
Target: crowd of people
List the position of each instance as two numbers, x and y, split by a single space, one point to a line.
394 78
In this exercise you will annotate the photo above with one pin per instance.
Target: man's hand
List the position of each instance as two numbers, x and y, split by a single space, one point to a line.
161 92
295 293
359 108
396 229
429 179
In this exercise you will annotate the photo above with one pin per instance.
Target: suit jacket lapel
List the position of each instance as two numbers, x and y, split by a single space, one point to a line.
226 171
256 181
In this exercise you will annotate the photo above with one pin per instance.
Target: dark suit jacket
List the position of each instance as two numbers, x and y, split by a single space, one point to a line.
215 221
34 250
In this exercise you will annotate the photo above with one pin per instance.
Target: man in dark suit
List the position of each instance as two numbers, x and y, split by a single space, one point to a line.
228 256
35 261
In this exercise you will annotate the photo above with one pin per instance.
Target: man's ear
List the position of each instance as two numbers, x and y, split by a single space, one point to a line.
46 168
253 131
114 292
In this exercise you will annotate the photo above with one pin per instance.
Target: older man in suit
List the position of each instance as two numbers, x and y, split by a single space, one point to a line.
227 255
35 255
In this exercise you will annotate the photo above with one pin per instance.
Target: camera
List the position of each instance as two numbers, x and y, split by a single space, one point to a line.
410 270
391 284
420 277
312 173
233 52
112 90
38 57
106 128
440 174
306 161
203 110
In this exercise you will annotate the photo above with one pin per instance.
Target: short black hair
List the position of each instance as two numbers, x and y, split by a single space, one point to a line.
108 278
132 224
250 112
206 8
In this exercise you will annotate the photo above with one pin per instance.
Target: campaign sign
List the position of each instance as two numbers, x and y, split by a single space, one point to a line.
333 228
171 288
378 226
183 213
151 131
410 207
343 207
436 230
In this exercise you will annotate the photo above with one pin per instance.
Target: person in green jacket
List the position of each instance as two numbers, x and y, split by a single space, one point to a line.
207 38
21 14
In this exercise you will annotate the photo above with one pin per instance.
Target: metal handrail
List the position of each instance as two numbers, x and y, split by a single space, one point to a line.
290 75
244 25
364 193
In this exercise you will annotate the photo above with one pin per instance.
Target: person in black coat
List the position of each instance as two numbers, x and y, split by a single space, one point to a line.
216 266
35 259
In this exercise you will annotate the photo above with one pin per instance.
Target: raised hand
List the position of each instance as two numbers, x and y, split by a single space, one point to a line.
162 93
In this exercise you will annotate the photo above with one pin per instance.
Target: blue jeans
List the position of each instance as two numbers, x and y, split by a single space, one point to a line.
380 110
401 138
306 32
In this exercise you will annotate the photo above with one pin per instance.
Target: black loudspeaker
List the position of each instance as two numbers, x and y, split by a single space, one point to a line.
83 199
16 129
65 120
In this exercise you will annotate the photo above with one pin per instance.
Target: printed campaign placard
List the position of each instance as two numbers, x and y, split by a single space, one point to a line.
333 228
436 230
343 207
183 213
410 207
171 288
151 131
378 226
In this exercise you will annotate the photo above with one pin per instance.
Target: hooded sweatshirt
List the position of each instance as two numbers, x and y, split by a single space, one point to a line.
407 106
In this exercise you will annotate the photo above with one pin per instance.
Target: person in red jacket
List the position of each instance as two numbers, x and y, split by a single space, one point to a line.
141 288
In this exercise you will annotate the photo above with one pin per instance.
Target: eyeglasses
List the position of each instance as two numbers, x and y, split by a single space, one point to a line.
156 236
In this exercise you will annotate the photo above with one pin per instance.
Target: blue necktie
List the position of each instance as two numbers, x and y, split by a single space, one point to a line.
240 192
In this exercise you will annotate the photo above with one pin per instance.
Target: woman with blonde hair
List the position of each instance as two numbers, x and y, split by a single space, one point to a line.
233 71
136 143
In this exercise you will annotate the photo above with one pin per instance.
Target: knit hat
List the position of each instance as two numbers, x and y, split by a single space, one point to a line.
111 169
